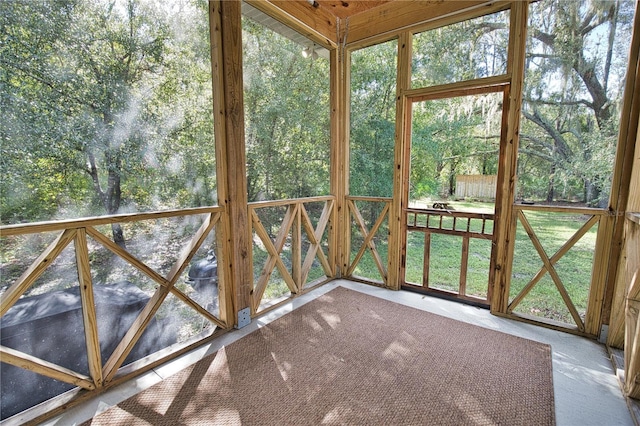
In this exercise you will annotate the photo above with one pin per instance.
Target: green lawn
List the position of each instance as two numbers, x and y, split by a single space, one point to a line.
574 268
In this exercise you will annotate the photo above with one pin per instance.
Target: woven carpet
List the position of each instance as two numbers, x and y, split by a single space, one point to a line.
348 358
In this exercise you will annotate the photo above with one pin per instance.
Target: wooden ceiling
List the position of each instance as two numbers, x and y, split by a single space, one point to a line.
345 8
326 22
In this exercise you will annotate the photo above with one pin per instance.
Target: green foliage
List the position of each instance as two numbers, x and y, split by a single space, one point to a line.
108 107
286 117
451 137
576 60
575 66
463 51
373 87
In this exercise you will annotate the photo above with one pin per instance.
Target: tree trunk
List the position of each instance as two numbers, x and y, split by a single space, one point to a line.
113 196
452 178
551 187
592 192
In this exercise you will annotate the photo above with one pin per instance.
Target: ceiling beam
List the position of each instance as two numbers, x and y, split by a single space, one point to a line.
316 23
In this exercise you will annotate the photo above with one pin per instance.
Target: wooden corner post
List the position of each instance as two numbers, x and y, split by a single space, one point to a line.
339 234
397 215
504 235
226 63
625 198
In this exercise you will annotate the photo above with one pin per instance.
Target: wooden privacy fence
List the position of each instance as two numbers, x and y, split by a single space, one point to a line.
467 225
105 372
476 186
356 219
295 228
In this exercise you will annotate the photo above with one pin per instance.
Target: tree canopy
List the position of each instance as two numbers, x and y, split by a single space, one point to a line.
107 107
287 114
577 54
575 63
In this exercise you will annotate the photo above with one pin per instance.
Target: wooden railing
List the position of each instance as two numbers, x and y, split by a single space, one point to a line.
631 278
103 373
594 217
466 225
296 228
367 234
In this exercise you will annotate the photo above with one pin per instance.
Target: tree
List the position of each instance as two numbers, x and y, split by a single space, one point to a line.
451 137
372 138
89 74
575 66
465 50
286 117
457 135
107 100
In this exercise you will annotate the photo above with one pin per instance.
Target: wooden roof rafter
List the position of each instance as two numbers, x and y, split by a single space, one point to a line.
315 23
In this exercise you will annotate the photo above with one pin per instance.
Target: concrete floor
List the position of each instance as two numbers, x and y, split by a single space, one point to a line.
586 388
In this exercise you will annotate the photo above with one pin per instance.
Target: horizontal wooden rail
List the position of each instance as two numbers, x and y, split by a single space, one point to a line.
463 88
373 199
59 225
562 209
421 220
451 213
274 203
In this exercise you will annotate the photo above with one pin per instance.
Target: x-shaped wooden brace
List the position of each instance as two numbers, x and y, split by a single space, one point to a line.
295 212
368 239
548 263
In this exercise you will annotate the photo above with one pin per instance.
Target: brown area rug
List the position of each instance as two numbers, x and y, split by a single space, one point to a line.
349 358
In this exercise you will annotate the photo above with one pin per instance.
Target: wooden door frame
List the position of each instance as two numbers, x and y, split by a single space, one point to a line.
495 84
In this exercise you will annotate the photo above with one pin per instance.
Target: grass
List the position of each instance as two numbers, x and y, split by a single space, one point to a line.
574 268
445 261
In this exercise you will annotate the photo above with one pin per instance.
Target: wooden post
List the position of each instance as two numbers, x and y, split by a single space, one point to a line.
504 232
296 248
397 215
615 337
339 234
226 58
223 230
464 265
622 196
632 342
89 318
